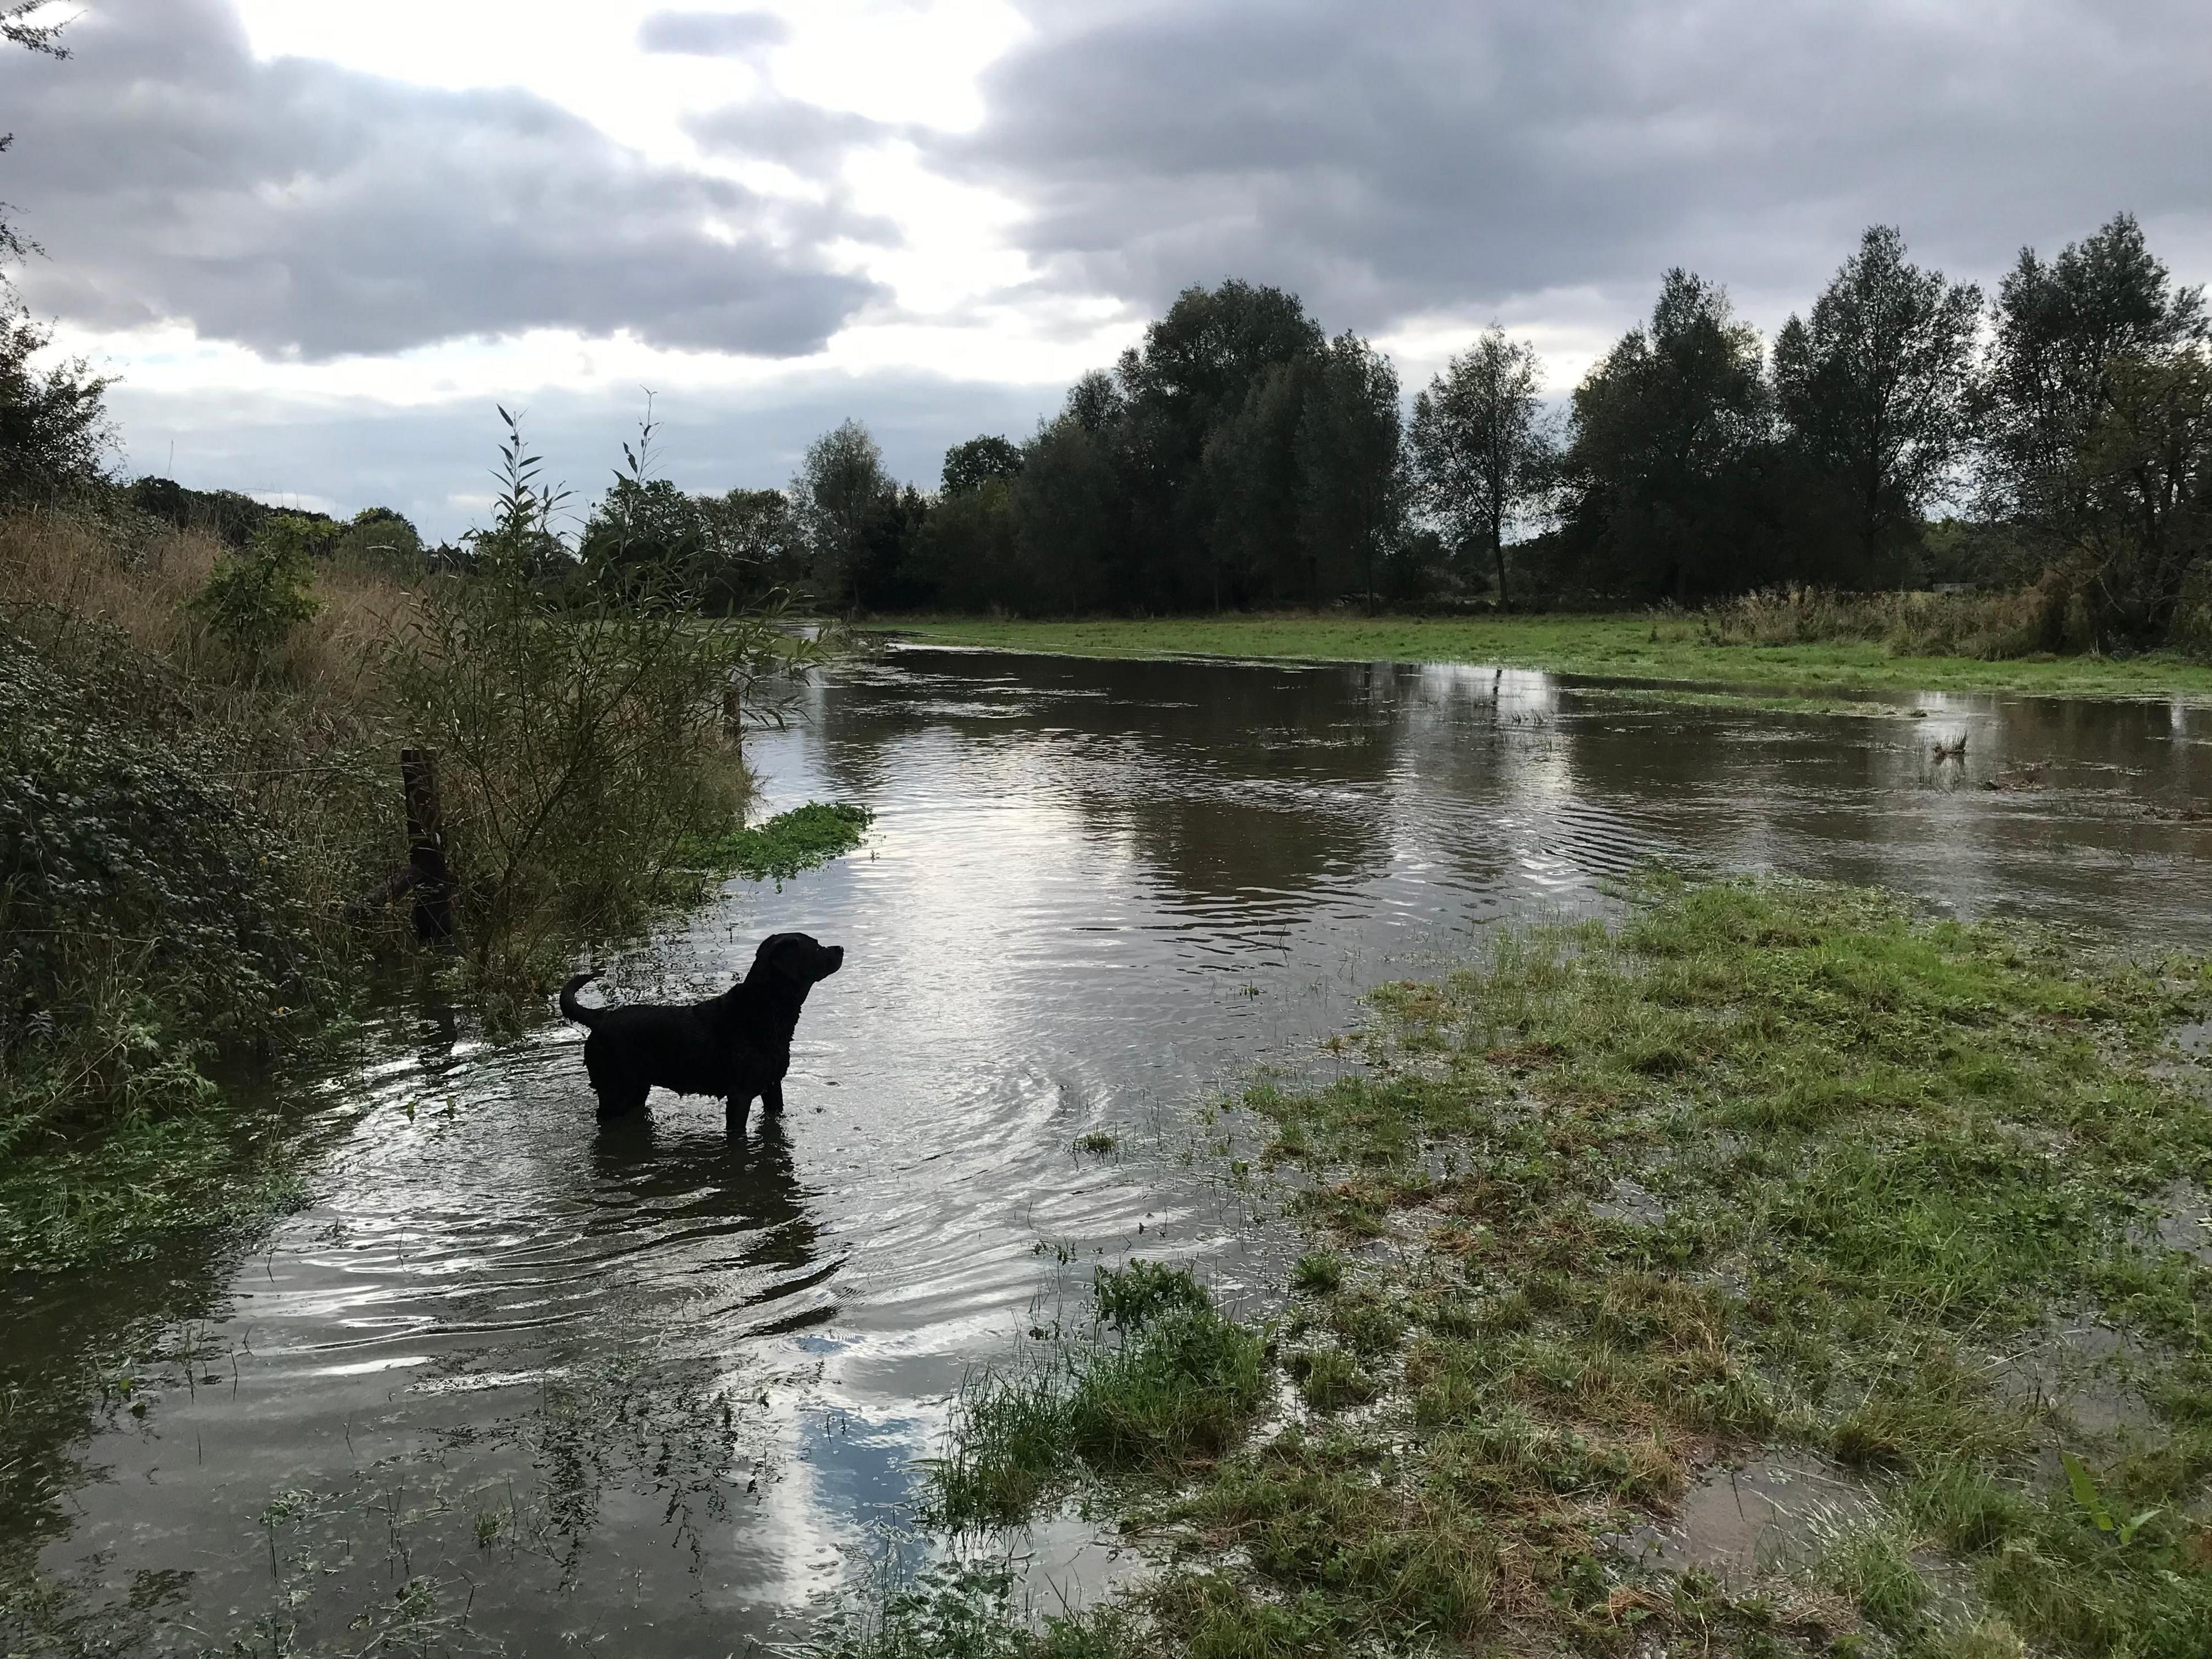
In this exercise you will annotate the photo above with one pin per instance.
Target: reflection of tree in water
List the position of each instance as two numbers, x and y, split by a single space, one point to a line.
657 1425
77 1353
501 1516
475 1523
510 1511
1223 775
1242 779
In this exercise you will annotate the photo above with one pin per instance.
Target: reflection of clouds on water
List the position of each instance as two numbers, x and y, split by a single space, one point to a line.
1094 891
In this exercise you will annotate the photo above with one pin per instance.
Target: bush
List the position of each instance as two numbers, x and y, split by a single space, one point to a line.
585 745
55 438
1128 1299
146 917
802 839
1183 1385
254 599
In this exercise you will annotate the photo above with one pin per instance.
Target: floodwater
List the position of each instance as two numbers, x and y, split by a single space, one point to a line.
513 1383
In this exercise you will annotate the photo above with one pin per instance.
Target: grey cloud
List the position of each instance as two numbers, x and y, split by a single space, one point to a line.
712 33
1385 160
297 207
799 136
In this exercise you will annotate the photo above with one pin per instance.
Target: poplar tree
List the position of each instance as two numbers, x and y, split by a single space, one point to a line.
1480 456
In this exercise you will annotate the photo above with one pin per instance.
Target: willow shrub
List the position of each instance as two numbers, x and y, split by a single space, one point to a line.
586 741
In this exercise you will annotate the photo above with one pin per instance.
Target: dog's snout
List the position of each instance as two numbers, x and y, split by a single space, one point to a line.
835 959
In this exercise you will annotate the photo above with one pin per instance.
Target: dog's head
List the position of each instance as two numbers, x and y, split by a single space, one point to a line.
800 958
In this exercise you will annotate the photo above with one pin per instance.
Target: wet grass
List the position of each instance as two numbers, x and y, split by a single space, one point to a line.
805 838
1873 1155
1666 647
123 1197
1165 1379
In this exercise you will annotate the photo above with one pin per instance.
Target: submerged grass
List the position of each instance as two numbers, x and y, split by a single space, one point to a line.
1665 647
1763 1166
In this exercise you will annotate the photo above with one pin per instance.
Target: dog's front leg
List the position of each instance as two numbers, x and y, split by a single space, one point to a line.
772 1098
733 1113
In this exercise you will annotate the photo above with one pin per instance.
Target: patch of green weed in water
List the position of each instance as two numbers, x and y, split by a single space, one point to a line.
805 838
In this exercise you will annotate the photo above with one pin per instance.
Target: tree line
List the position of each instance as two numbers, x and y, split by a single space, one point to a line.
1241 457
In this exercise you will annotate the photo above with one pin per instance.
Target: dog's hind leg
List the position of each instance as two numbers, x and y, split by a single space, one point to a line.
733 1113
622 1103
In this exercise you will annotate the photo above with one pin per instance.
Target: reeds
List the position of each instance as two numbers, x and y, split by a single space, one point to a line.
1991 626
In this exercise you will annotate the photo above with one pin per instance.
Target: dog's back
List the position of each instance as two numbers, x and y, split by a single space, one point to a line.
737 1045
679 1047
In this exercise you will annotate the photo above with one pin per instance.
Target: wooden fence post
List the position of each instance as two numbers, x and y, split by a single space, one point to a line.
426 848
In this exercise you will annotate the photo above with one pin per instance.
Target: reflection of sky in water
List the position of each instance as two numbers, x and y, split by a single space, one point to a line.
695 1375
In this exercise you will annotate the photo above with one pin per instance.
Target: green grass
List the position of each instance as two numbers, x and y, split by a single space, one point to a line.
118 1197
1662 649
1887 1153
805 838
1181 1382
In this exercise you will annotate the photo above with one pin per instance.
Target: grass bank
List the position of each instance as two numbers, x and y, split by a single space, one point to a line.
200 791
1766 1184
1680 649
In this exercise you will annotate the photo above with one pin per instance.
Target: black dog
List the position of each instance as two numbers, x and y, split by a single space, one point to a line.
737 1045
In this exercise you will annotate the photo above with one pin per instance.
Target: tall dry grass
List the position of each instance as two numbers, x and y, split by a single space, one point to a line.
305 745
1991 626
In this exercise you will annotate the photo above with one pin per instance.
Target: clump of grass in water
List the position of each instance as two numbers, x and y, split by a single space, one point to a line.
804 838
1883 1148
966 1610
1184 1382
1330 1379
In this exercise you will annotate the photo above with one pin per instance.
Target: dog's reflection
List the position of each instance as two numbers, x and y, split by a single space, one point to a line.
682 1174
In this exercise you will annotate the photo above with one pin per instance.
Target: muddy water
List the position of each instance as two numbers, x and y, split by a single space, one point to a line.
512 1383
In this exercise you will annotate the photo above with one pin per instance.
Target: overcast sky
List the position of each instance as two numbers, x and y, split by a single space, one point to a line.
316 240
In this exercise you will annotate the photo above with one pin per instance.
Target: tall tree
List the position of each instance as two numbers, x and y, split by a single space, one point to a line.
838 489
1199 360
969 465
1193 371
1070 509
54 431
1668 426
1352 498
2061 327
1875 386
1480 456
1096 401
645 535
1253 477
2137 494
755 543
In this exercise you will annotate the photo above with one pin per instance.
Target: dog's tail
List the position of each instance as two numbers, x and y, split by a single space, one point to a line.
575 1010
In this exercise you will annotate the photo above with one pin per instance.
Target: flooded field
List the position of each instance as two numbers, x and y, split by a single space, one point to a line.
509 1382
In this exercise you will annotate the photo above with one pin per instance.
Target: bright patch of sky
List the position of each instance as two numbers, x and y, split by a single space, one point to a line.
958 307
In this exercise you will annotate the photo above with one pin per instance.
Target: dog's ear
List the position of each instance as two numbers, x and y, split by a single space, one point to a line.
786 953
